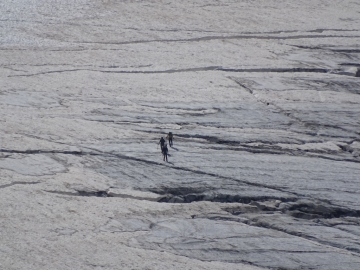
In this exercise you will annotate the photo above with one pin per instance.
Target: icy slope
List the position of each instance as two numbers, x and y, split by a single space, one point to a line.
262 98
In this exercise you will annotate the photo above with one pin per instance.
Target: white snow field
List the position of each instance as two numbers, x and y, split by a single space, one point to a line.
263 99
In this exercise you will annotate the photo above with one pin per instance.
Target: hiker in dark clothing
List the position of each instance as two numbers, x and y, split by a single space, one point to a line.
170 138
162 143
165 152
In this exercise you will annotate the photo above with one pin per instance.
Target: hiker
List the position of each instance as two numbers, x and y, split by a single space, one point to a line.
165 152
162 143
170 138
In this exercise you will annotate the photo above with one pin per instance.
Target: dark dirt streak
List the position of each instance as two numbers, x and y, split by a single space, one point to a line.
327 49
80 193
209 38
346 51
301 235
47 72
295 194
19 183
244 86
210 68
99 194
289 114
194 171
34 152
277 70
220 176
267 149
350 64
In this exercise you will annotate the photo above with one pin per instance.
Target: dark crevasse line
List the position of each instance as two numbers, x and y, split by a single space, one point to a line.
34 152
157 163
350 64
210 68
328 49
346 50
277 70
48 72
179 197
318 30
272 150
102 193
99 194
209 38
296 206
290 114
311 211
18 183
266 149
266 225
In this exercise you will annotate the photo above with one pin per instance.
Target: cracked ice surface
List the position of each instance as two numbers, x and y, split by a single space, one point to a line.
262 98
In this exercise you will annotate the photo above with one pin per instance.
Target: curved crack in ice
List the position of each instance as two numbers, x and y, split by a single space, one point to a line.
198 69
19 183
